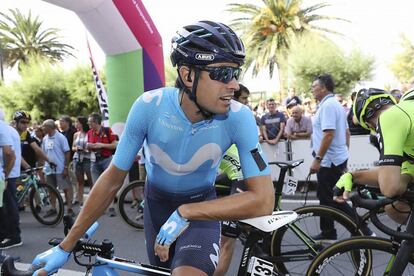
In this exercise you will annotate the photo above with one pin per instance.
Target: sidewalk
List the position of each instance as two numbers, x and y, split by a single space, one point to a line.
62 272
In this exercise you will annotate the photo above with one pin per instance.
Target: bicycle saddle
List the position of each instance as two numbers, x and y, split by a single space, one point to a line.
272 222
287 164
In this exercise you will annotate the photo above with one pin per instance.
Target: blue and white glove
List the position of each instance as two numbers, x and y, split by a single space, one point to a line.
51 260
170 231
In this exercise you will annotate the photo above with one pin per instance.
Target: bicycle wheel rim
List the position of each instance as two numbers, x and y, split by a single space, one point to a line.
41 202
358 256
132 211
287 244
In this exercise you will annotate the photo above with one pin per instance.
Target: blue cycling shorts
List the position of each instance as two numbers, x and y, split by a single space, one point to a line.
198 246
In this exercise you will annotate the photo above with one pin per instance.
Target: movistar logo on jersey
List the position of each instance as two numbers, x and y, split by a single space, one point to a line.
170 126
205 57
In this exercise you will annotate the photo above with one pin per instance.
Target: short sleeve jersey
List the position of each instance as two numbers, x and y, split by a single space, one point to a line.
182 157
28 153
396 132
230 164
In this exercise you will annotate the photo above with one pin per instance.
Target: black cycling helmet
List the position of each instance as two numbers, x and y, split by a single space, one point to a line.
201 44
368 101
206 42
21 114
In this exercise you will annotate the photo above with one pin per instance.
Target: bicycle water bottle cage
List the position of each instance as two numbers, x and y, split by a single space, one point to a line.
272 222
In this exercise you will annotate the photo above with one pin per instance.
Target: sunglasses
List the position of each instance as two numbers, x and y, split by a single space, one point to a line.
224 74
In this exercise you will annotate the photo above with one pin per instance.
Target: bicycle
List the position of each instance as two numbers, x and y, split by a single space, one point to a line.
290 248
103 262
42 197
368 255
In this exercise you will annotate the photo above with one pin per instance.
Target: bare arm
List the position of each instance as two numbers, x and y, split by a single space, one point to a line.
259 200
348 137
74 147
328 136
9 158
99 199
39 152
24 164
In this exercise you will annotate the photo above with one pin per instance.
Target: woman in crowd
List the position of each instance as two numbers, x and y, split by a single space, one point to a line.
82 156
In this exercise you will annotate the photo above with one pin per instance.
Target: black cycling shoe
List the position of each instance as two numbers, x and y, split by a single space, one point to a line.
325 236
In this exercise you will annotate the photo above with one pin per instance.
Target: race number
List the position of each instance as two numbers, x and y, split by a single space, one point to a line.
260 267
290 186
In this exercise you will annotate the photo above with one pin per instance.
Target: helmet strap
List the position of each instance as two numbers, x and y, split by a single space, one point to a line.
192 94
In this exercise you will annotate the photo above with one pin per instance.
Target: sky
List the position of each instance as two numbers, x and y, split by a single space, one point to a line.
375 27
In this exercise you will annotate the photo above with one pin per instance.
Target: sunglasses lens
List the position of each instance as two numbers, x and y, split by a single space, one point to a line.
224 74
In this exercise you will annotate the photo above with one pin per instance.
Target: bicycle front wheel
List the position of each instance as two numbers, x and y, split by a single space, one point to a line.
131 204
46 204
358 256
293 247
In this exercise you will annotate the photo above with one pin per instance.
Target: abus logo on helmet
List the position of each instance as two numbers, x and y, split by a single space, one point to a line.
207 57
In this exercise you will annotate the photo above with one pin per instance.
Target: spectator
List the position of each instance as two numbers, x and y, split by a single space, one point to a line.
102 142
292 100
272 123
354 129
343 102
261 109
307 107
298 126
330 143
10 234
82 156
57 149
68 130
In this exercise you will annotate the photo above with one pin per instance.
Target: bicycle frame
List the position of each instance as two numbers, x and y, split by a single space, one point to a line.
29 182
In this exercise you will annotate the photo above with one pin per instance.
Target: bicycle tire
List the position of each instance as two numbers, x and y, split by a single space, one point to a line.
132 215
285 243
45 190
342 258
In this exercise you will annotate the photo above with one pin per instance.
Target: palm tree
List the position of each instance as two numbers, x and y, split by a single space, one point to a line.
268 31
22 37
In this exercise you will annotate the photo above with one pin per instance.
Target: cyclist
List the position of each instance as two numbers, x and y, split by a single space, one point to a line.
376 109
31 151
185 132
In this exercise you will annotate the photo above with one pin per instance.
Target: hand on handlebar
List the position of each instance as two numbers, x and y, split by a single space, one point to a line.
169 232
343 187
51 260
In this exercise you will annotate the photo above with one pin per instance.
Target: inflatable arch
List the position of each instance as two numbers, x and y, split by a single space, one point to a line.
133 49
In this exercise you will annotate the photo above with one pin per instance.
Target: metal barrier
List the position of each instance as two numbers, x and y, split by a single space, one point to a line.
361 155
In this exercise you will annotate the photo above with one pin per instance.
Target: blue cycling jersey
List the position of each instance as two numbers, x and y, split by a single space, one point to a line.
182 157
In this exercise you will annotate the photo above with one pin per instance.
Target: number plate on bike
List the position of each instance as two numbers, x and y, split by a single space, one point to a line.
259 267
290 186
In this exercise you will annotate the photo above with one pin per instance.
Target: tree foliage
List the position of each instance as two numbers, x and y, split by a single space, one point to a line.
403 65
22 37
47 91
312 56
268 31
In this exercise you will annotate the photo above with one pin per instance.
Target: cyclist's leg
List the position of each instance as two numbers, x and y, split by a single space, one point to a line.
229 232
226 253
399 211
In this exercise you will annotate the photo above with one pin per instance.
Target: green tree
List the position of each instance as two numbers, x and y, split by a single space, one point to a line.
23 36
47 91
403 64
268 31
312 56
